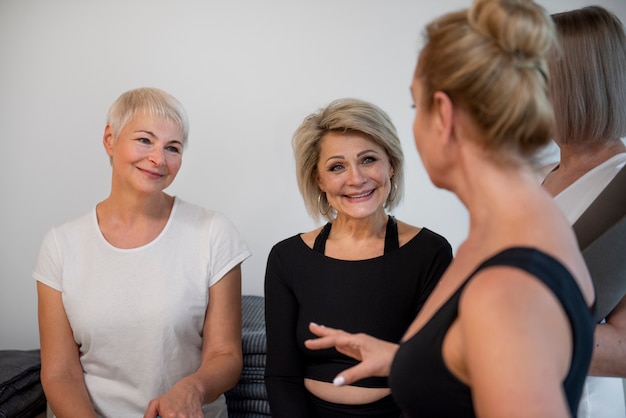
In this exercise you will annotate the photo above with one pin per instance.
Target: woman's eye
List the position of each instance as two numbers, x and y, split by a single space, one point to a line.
173 149
369 160
335 167
143 140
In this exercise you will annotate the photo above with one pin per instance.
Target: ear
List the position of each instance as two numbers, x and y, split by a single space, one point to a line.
108 140
319 182
443 110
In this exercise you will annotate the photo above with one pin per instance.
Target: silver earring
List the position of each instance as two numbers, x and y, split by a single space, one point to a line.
393 194
319 204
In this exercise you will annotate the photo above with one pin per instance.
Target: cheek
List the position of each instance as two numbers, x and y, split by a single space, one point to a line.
327 183
174 163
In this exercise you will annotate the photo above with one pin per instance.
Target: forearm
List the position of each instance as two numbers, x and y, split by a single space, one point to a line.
215 376
67 397
609 353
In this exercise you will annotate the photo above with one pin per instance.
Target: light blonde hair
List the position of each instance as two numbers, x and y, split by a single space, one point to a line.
346 115
491 59
151 101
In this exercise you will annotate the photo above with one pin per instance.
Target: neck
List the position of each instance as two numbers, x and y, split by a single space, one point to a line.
371 227
132 208
497 195
578 159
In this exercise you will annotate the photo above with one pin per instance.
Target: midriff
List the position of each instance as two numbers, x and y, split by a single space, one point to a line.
350 395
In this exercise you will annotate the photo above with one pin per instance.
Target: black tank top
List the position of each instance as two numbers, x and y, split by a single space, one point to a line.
423 385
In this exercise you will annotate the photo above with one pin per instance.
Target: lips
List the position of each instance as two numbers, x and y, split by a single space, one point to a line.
152 173
358 196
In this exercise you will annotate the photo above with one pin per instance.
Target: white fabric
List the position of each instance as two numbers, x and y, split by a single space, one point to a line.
603 397
137 314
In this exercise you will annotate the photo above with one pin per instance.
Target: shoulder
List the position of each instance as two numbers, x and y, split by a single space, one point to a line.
192 212
309 237
422 237
289 245
74 228
507 294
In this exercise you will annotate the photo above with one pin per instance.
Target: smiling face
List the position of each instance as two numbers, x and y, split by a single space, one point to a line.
355 173
146 155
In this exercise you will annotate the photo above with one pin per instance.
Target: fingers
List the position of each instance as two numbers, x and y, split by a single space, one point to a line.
322 331
328 337
351 375
151 411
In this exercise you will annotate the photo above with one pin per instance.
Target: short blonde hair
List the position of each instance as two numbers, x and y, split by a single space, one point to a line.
344 116
491 59
151 101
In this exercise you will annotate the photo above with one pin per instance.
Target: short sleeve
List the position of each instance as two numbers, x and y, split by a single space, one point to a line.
228 247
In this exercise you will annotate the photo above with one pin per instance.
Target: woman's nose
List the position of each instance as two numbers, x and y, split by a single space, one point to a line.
157 157
356 176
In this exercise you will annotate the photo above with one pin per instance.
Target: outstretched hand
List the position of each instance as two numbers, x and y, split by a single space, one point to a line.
375 355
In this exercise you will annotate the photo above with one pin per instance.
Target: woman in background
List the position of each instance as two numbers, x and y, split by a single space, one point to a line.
140 298
589 97
508 330
364 271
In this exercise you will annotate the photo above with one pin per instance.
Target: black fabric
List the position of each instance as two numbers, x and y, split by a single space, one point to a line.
423 385
379 296
21 394
383 408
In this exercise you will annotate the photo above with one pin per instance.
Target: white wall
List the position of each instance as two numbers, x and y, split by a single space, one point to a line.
247 72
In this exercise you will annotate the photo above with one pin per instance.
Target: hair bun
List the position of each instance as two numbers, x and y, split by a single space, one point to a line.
520 28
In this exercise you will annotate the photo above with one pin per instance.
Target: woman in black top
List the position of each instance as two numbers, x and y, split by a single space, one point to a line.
364 271
508 330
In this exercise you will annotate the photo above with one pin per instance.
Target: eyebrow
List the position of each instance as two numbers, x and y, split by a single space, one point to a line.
152 134
138 131
334 157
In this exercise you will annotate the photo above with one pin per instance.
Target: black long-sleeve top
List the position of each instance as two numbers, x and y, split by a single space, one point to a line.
379 296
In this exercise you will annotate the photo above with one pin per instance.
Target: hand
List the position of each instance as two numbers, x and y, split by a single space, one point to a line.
181 401
375 355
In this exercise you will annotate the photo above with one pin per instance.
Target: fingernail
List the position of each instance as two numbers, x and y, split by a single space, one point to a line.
314 323
339 381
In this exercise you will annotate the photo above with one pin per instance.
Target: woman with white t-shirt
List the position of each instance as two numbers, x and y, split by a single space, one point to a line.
589 96
140 298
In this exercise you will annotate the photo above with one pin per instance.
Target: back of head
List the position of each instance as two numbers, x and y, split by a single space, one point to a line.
150 101
344 116
491 60
589 87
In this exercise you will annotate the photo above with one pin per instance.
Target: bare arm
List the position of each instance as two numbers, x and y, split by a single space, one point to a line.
61 372
511 345
609 353
222 359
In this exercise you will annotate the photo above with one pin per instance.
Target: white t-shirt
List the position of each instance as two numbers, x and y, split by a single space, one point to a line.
137 314
603 397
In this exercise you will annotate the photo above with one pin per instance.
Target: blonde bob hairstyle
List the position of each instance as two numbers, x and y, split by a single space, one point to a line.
344 116
589 87
150 101
491 60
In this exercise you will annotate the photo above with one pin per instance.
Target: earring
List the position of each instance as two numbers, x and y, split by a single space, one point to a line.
393 194
319 204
